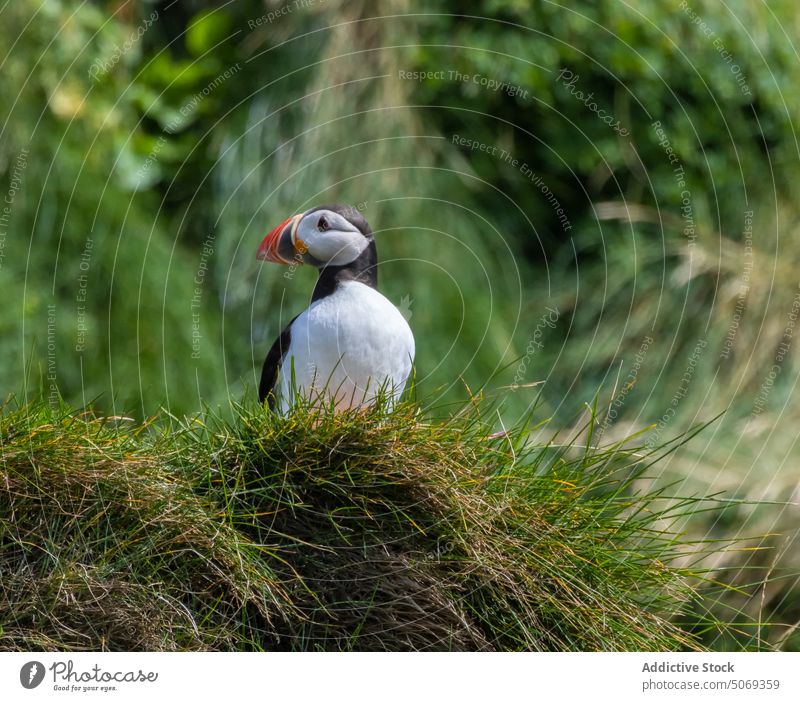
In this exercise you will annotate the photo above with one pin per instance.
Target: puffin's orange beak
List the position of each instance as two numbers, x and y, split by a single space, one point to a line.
281 245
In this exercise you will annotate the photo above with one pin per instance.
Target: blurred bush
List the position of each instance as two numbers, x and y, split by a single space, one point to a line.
594 195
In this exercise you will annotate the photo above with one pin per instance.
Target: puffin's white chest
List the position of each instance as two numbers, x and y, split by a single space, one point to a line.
348 345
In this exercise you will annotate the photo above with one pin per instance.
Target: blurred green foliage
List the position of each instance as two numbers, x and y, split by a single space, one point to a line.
202 125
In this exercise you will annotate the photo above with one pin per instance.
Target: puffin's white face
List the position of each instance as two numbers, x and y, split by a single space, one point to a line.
329 237
321 237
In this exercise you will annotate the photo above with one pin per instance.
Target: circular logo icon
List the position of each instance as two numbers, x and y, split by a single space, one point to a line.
31 674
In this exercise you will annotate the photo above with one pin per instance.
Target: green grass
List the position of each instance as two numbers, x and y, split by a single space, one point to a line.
356 531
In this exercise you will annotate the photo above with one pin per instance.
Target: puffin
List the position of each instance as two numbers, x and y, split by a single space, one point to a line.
351 344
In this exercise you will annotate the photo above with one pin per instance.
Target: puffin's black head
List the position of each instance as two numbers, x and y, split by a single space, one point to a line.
333 235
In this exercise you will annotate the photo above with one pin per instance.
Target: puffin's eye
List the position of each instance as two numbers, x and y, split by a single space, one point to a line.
322 224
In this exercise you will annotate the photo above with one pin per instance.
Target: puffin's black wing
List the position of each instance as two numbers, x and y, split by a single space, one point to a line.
269 373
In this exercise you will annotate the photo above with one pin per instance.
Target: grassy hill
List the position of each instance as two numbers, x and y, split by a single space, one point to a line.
357 531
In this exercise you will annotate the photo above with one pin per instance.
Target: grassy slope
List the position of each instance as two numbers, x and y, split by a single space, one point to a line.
370 531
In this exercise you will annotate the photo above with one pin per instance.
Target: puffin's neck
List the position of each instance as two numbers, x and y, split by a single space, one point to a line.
363 269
